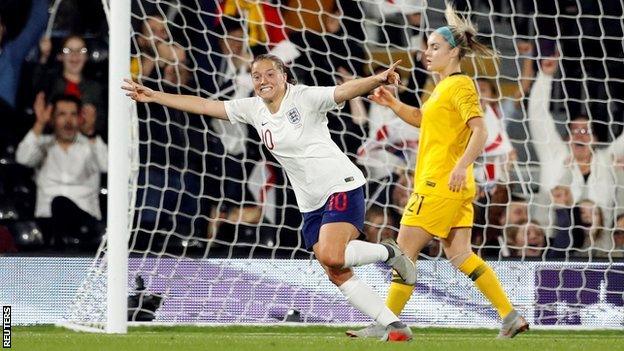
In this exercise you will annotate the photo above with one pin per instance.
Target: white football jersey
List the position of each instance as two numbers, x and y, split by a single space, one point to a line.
298 137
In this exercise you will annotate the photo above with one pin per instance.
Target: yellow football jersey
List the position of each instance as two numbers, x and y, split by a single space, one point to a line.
444 136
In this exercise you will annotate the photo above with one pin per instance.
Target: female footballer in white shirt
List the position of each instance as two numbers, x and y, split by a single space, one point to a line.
292 123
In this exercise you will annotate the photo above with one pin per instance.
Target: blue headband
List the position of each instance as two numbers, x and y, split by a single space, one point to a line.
447 34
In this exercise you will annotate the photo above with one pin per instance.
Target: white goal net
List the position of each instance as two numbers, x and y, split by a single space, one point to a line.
215 228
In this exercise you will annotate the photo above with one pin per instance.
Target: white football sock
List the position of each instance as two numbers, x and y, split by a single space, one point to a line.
362 297
360 252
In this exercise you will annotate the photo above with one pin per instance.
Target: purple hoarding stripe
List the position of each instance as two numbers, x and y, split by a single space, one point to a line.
563 295
209 291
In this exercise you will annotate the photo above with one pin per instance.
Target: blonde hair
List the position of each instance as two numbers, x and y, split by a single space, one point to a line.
465 35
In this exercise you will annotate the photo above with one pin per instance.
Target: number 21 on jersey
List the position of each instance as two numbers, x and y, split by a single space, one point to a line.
414 205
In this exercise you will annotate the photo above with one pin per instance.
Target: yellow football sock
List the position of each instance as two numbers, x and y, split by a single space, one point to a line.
485 279
398 295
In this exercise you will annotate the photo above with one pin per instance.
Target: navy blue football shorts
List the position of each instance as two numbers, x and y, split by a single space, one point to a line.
346 207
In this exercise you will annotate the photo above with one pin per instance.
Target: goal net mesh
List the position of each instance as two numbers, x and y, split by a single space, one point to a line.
215 227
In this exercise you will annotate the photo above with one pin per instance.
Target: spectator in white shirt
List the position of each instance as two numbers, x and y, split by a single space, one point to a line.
572 161
67 169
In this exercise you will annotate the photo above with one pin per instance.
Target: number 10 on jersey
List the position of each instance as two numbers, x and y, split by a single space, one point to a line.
267 139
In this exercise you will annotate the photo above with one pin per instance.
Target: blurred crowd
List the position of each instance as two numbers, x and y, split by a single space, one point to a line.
550 178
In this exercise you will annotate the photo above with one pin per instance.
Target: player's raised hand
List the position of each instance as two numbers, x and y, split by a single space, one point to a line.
383 97
389 76
138 92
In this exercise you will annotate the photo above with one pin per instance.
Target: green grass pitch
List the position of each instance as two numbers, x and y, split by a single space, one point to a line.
281 338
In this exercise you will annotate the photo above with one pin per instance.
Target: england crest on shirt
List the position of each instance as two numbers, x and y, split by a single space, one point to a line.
293 115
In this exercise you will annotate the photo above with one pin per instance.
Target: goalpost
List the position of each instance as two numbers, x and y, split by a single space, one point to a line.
205 218
109 271
119 175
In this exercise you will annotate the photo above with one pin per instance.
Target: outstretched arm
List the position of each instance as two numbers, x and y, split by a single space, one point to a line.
361 86
409 114
28 37
546 140
359 113
188 103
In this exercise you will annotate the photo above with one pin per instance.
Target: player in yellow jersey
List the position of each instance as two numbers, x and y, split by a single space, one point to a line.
452 135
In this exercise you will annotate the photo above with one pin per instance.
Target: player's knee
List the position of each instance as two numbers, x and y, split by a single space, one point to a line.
329 255
331 261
